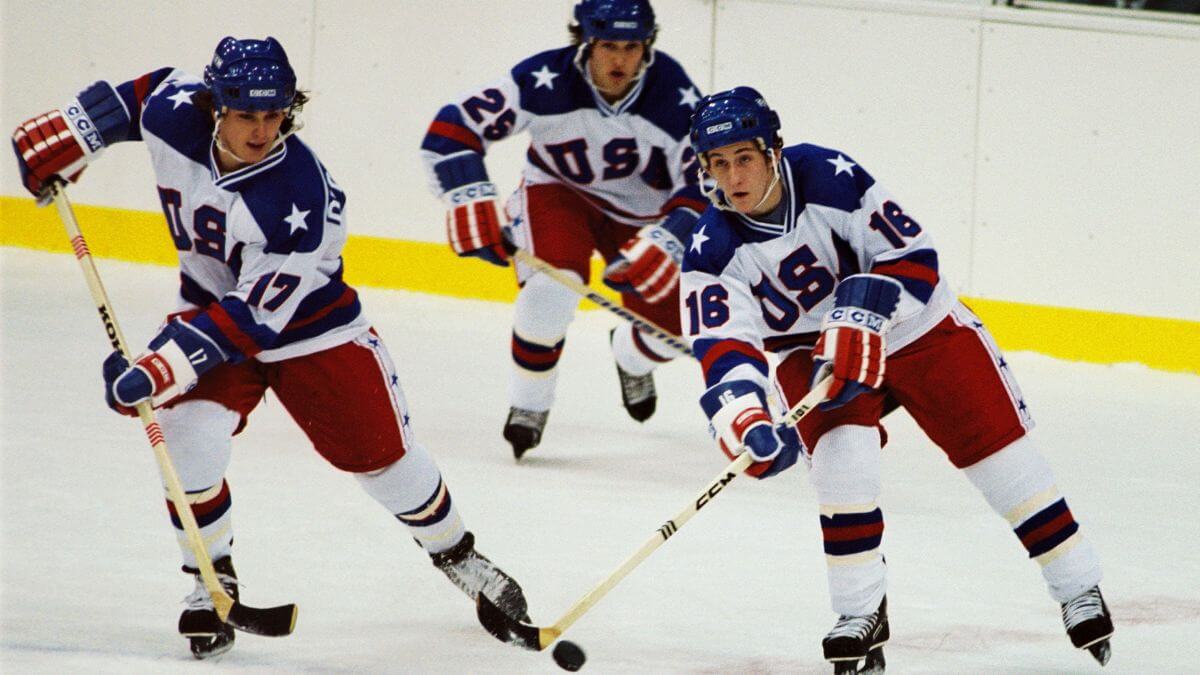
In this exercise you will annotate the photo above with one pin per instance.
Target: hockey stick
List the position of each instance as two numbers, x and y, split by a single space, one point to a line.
640 322
272 621
537 638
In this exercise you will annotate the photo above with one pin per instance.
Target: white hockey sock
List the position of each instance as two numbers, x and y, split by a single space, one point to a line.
846 475
543 310
411 489
638 353
198 437
1018 484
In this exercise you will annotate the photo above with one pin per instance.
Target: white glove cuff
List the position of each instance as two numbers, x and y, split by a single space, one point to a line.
181 378
727 422
84 131
662 238
466 194
856 318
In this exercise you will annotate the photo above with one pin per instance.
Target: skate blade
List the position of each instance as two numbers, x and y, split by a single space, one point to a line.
1101 651
204 648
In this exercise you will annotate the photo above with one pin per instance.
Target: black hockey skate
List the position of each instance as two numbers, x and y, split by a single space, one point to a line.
637 391
1089 624
199 622
473 573
523 429
858 638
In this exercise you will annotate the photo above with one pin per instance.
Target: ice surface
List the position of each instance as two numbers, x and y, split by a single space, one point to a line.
89 577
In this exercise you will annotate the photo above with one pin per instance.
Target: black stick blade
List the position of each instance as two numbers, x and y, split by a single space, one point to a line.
505 628
269 621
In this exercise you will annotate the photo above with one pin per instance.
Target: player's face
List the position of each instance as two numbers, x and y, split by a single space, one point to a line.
249 134
614 63
744 174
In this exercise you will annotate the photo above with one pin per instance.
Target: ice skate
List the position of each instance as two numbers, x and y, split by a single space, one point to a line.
637 391
1089 623
473 573
199 623
858 638
523 429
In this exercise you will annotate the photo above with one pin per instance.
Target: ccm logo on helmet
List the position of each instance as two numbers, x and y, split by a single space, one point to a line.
723 126
261 93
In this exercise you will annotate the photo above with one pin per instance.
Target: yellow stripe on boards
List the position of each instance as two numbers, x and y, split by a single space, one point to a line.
1096 337
123 234
1074 334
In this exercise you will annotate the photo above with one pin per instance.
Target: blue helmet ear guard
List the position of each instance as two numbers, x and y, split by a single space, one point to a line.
616 20
727 117
250 75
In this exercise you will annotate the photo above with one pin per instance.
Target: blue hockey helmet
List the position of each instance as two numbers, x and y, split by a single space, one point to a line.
727 117
251 75
615 20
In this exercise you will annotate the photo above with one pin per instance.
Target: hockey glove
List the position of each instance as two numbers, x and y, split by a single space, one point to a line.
738 419
47 149
648 264
473 223
178 356
851 345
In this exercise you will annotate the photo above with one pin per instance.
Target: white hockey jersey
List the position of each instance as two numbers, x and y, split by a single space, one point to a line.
749 287
259 248
632 159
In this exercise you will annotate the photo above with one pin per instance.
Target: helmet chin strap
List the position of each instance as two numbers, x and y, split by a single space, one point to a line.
581 58
279 138
722 202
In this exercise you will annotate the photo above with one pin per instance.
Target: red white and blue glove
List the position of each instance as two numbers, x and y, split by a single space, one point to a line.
178 356
59 144
852 346
648 264
47 149
473 223
738 417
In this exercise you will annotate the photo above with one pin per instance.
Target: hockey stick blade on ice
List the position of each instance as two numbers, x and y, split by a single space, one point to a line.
271 621
537 638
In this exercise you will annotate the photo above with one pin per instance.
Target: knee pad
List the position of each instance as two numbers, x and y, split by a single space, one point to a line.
846 466
404 484
544 309
1011 476
198 435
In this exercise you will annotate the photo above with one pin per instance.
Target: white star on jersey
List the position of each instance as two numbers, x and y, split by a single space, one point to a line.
699 238
545 77
296 219
842 164
689 97
180 97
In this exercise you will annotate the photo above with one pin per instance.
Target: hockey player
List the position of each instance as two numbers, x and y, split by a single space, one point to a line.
259 227
803 254
608 169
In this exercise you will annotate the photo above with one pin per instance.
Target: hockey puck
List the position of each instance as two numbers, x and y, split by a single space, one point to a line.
568 655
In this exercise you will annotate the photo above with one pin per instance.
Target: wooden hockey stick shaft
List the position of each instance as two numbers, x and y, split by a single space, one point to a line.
714 487
222 601
539 638
640 322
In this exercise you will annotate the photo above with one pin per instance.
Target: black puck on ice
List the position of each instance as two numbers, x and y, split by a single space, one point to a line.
568 655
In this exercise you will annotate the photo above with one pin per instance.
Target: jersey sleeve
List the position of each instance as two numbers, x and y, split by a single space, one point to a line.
897 246
104 113
678 97
290 269
720 315
462 131
870 221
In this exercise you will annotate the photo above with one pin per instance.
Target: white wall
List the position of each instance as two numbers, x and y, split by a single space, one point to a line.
1055 158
